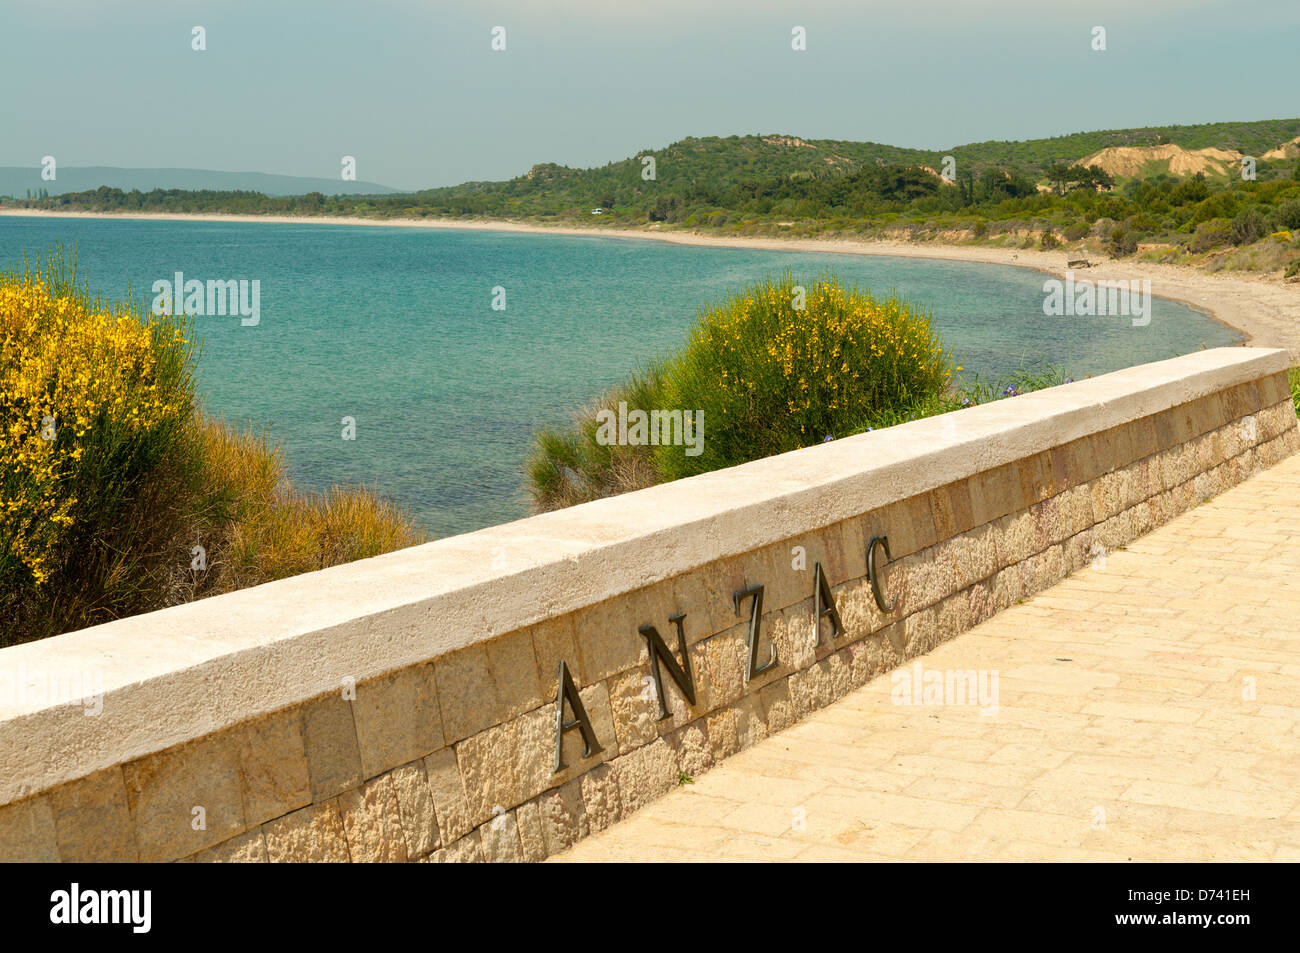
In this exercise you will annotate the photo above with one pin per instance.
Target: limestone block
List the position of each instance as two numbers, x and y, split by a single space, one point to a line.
186 798
330 736
514 673
415 808
467 695
27 832
273 767
92 820
313 834
500 839
645 774
372 822
450 803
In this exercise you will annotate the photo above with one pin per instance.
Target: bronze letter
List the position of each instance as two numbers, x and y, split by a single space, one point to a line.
824 605
567 690
755 620
681 674
876 591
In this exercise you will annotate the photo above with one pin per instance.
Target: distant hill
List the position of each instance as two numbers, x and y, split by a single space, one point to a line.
719 163
18 181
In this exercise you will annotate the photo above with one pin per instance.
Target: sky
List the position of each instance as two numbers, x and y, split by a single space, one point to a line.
414 91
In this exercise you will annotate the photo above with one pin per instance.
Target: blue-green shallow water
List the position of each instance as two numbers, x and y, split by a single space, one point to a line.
393 326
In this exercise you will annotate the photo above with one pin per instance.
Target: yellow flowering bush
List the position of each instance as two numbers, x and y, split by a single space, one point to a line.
110 478
85 389
785 365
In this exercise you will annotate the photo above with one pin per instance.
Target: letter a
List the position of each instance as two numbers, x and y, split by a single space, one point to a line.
567 691
824 606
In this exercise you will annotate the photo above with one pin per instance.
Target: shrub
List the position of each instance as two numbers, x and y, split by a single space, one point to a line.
1293 377
1122 243
1049 241
109 476
768 378
771 378
571 466
1211 234
1249 226
1142 222
1105 226
1287 215
1292 268
96 401
1077 231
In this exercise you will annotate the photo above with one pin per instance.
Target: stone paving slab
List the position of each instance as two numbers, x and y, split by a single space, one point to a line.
1146 709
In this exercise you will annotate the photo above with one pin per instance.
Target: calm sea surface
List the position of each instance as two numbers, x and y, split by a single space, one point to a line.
394 327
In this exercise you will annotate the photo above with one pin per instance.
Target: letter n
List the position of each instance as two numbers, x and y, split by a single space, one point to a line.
755 622
568 691
824 605
681 674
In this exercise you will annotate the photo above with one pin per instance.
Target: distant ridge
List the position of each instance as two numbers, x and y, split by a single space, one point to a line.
723 162
17 181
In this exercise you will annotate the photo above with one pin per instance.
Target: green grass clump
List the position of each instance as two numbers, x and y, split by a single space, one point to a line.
257 527
1293 377
569 465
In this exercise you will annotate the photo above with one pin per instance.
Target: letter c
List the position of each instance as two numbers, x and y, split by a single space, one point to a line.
871 571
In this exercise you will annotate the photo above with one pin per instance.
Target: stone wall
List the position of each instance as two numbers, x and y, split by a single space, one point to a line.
405 708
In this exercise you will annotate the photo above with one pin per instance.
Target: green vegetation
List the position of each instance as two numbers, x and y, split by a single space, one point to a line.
1293 375
780 366
1038 193
769 377
116 495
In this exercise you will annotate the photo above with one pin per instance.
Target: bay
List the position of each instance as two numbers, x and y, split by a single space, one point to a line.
394 327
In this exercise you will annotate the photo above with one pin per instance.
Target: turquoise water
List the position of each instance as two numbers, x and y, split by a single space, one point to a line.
394 327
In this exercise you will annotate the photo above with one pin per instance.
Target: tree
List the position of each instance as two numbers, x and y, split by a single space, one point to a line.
1099 178
1058 173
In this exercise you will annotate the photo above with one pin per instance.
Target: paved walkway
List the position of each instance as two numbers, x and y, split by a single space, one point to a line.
1148 710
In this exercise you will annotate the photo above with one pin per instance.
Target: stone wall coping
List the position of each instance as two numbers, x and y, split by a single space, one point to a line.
187 671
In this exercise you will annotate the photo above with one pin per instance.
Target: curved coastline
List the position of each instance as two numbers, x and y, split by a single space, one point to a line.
1263 309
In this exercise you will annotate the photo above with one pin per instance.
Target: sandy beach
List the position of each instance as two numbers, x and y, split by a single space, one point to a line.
1263 308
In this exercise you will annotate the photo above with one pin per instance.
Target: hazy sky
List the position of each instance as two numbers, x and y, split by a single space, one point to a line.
414 91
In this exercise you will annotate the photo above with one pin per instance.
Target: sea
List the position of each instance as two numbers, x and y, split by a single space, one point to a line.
396 329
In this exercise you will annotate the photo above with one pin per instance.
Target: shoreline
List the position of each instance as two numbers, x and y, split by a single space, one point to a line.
1263 309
